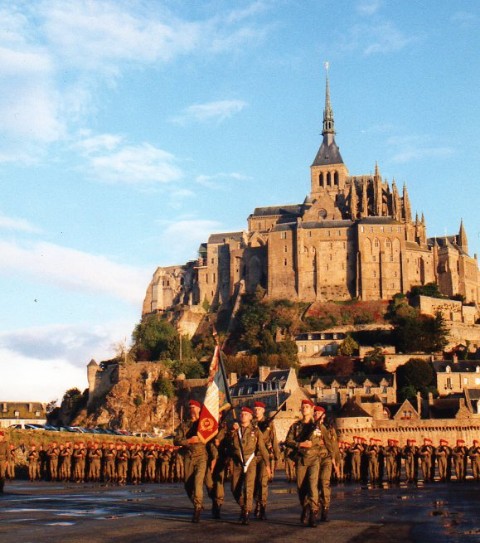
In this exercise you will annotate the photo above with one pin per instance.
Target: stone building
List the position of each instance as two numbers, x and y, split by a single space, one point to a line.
23 413
353 236
454 377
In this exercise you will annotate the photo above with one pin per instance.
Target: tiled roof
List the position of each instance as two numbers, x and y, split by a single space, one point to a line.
225 236
293 209
25 410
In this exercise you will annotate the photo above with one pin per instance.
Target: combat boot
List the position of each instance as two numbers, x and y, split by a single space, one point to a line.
245 517
215 510
324 514
257 510
312 520
304 515
263 513
196 515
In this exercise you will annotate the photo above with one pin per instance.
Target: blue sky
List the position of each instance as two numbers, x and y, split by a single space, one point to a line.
129 131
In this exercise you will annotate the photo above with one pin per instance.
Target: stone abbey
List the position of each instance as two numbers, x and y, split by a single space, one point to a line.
352 237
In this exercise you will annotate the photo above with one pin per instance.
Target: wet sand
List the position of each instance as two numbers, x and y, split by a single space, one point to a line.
45 513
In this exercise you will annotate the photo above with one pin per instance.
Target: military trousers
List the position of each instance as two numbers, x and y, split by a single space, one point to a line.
136 471
243 484
391 466
410 468
373 470
94 470
307 469
426 465
476 468
459 464
324 478
261 482
356 467
215 482
3 469
53 468
442 467
34 470
195 469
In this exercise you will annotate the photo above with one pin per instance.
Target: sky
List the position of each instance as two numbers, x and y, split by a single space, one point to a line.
131 130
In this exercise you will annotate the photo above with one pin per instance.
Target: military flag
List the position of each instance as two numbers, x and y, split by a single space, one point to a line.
215 399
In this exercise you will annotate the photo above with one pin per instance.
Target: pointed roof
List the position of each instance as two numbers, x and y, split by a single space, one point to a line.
329 153
462 237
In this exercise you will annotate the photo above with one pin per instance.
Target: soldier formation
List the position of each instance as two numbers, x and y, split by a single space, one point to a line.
246 453
375 463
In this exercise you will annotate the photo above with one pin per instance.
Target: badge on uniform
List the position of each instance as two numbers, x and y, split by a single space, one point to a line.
317 433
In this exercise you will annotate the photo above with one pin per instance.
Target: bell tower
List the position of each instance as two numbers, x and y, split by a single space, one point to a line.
328 172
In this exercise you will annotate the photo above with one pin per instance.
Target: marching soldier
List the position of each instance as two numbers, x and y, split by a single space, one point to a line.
426 456
474 455
442 454
219 458
328 458
390 453
304 440
459 457
11 462
270 439
246 444
195 458
343 447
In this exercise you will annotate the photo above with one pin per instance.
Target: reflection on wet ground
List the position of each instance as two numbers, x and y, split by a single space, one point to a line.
41 512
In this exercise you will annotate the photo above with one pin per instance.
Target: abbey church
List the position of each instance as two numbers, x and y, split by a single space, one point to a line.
352 237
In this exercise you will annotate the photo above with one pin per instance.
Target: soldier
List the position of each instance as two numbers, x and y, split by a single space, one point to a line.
372 452
343 447
246 444
94 455
65 462
11 462
270 439
328 458
109 456
165 463
3 459
218 451
195 453
474 455
410 454
122 463
33 458
150 461
52 454
442 454
136 456
459 457
79 455
390 454
304 439
426 455
356 452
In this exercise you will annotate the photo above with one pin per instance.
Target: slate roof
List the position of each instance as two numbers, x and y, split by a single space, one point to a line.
294 209
352 409
23 410
462 366
222 237
329 153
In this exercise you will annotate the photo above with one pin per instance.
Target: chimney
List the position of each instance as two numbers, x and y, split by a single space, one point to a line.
4 407
233 379
455 358
30 407
263 372
430 398
419 403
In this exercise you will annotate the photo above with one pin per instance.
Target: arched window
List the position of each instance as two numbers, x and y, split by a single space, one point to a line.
321 180
335 179
329 179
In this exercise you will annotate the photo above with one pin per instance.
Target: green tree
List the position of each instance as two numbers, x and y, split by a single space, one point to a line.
416 375
164 387
430 289
155 339
348 347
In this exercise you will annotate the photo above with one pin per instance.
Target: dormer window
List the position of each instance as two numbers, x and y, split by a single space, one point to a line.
448 369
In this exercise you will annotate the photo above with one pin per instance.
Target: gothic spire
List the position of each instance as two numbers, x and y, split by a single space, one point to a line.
353 201
328 121
407 210
462 238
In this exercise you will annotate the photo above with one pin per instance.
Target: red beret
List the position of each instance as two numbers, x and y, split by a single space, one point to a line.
246 409
444 441
319 409
460 441
259 404
308 402
194 403
427 439
2 433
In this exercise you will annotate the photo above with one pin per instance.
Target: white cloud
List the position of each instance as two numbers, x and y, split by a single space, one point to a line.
210 111
19 225
369 7
142 164
74 270
51 359
379 37
213 181
415 147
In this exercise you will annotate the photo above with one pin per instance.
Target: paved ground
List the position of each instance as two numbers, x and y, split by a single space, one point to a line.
47 513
